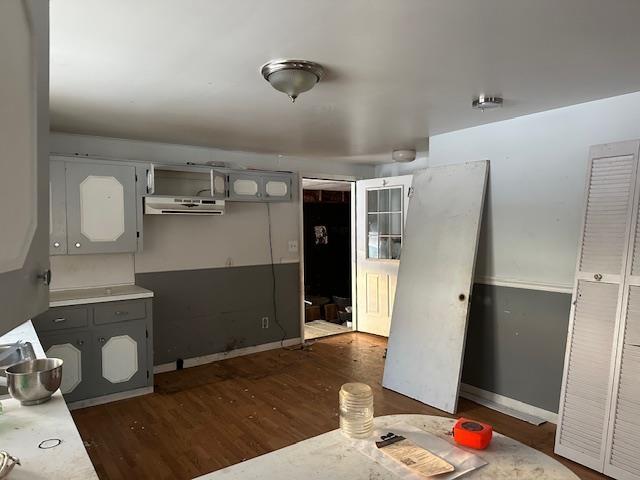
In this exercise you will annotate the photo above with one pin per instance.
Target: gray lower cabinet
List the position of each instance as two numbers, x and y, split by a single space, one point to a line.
76 350
106 347
122 361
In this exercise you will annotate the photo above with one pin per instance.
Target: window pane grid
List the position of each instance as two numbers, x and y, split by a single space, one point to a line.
384 223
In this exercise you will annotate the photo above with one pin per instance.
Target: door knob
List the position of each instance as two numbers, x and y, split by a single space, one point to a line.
598 276
77 244
56 244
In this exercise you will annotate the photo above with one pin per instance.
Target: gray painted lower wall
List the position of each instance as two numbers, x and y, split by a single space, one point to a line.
515 339
201 312
516 343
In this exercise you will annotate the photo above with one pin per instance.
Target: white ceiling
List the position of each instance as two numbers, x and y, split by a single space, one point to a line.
398 71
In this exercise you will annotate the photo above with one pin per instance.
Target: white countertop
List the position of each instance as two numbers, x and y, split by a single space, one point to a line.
61 298
333 455
23 428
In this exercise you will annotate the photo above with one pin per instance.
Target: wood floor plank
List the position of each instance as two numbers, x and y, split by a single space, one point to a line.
206 418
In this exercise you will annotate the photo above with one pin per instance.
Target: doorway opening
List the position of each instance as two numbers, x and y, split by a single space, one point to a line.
328 249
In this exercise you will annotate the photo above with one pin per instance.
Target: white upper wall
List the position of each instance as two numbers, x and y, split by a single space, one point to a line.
536 184
238 238
124 149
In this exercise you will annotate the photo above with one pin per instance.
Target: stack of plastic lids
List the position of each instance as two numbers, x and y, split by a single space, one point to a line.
356 410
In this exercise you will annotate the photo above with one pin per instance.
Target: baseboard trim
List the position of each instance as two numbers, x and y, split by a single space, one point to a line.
509 406
114 397
215 357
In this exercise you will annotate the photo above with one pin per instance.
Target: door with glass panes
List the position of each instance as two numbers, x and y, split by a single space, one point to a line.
381 208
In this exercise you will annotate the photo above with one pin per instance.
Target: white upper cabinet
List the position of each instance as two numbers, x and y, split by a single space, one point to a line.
101 208
277 187
57 208
24 131
260 186
186 181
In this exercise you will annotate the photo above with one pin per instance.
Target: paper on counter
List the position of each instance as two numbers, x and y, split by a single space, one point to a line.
462 461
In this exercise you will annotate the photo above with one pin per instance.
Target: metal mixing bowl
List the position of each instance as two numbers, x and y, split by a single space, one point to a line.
34 381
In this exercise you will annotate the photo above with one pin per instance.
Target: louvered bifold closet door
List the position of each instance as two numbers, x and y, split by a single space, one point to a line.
623 443
597 302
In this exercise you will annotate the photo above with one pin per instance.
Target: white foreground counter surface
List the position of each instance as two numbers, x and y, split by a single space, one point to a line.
23 428
80 296
334 456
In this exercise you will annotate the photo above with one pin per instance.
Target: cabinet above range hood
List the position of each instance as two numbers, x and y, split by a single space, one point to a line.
185 190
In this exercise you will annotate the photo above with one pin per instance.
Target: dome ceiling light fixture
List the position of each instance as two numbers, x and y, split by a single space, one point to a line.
403 155
292 77
484 102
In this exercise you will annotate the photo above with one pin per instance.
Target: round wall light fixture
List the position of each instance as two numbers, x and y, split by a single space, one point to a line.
292 77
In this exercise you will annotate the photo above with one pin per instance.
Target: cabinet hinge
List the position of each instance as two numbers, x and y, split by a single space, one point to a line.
137 234
146 333
147 373
136 177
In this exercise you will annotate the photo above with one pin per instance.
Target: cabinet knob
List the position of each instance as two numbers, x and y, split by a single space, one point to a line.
60 320
120 313
80 342
56 244
101 340
598 276
45 277
77 244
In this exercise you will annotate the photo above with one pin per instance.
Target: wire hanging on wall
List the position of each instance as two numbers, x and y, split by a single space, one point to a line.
273 279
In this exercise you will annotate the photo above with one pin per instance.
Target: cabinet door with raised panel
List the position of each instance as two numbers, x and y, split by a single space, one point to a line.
57 208
101 208
277 188
245 187
219 181
121 355
78 369
24 159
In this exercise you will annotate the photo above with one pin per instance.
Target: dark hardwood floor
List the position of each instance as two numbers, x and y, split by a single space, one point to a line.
205 418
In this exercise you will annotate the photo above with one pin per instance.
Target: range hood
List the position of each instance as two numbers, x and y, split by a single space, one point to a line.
156 205
185 190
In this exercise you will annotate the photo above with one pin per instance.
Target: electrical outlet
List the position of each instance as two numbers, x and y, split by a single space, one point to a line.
265 322
293 246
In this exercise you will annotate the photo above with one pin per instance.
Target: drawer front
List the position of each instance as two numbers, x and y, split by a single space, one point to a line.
113 312
59 318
